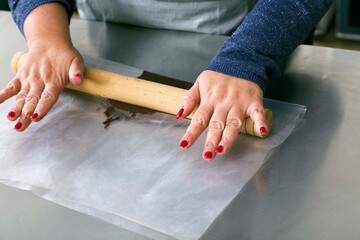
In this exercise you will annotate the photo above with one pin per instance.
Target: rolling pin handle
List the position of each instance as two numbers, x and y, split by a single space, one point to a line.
16 61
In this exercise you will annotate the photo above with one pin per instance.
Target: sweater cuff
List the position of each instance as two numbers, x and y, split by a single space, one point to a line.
22 10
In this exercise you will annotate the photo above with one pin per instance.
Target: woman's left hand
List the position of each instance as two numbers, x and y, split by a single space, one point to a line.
223 104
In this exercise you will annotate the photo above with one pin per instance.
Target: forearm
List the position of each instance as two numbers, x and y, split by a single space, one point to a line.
21 8
47 26
270 32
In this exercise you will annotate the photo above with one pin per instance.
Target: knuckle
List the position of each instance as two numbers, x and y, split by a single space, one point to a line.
21 96
257 110
198 121
32 99
10 87
48 96
233 123
216 125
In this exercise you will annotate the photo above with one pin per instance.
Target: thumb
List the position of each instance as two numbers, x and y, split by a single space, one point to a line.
76 71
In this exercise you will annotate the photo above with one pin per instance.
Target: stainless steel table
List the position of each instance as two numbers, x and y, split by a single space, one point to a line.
309 184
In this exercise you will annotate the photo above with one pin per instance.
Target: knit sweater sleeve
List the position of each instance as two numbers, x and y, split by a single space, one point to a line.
268 34
21 8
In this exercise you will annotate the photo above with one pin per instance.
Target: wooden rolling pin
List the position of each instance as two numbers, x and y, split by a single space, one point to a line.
139 92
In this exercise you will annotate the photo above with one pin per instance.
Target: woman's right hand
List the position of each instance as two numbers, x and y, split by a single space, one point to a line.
42 76
49 65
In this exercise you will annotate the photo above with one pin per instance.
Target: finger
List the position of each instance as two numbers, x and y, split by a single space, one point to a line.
76 71
16 109
10 90
31 103
191 100
214 134
233 124
198 124
47 100
28 108
257 114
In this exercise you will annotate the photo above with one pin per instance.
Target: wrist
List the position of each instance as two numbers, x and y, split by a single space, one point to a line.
44 44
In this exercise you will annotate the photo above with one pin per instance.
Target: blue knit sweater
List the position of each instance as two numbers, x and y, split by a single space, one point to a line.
268 34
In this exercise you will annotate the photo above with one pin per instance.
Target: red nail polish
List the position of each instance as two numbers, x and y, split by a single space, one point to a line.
262 130
183 143
34 116
18 125
77 75
11 114
208 155
219 149
180 113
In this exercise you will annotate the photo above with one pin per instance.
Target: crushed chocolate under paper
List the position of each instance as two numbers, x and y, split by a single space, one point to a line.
116 110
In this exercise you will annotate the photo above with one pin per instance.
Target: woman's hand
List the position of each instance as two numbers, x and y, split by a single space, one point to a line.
49 65
41 78
224 102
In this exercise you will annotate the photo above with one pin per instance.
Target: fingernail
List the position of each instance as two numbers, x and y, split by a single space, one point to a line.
11 114
208 155
180 113
183 143
34 116
77 75
18 125
219 149
262 130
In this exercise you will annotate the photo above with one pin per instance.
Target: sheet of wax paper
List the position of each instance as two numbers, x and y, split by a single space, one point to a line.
133 173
